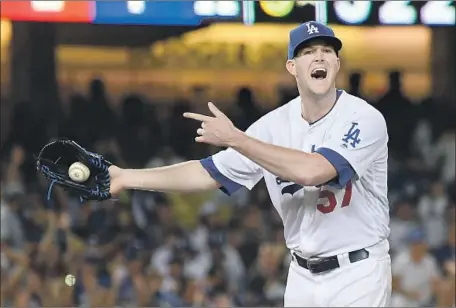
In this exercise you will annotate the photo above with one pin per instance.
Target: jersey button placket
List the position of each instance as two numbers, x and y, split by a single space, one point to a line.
305 224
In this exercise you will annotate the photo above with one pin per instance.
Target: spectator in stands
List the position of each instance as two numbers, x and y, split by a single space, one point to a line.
152 216
423 141
181 130
100 111
138 134
432 209
12 233
223 254
162 256
254 233
14 260
415 274
265 286
13 177
209 221
446 253
399 115
73 128
355 83
444 156
246 111
402 222
446 256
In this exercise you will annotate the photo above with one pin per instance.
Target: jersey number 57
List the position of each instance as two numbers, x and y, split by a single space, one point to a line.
330 205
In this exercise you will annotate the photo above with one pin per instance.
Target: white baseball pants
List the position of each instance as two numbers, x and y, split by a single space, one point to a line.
366 283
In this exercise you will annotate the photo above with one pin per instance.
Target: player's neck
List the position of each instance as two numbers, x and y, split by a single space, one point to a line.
315 107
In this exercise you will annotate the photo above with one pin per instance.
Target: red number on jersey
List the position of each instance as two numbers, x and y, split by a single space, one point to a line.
332 202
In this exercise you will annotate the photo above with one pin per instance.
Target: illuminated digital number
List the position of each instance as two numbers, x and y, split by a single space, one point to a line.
204 8
216 8
47 6
397 12
228 8
136 7
438 13
353 12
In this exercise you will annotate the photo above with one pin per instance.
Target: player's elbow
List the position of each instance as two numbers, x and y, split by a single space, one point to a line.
299 178
304 176
314 174
308 179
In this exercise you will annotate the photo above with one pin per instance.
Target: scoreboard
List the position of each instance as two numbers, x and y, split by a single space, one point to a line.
196 12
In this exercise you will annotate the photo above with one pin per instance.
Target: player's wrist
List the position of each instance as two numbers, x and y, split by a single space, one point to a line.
129 179
239 137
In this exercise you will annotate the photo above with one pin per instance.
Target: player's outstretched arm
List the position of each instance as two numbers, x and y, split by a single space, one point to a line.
188 176
288 164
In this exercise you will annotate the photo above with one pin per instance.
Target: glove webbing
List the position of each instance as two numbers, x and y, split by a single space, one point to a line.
95 160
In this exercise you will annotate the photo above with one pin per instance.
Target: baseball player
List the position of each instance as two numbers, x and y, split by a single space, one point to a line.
323 156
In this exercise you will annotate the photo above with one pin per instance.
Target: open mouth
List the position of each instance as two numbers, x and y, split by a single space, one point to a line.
319 73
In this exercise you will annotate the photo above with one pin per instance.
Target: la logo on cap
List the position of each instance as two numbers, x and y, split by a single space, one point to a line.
311 28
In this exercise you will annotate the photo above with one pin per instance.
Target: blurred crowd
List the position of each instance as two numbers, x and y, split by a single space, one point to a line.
180 250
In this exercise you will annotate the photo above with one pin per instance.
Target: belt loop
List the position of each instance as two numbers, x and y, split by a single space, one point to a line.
343 259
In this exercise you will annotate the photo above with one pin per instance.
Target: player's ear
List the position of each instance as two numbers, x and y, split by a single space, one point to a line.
338 64
291 67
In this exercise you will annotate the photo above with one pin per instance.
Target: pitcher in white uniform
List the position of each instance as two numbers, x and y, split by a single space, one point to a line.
323 156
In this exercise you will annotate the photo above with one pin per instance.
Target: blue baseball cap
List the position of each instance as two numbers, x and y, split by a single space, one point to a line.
308 31
417 235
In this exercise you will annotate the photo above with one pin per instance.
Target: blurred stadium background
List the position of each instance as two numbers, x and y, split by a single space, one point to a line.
117 75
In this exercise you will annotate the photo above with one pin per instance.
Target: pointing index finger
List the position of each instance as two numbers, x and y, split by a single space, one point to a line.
214 109
197 116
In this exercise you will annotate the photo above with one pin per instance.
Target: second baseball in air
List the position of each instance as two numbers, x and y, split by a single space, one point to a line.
79 172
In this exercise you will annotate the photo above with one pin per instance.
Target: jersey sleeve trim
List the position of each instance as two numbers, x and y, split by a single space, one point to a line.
345 171
228 186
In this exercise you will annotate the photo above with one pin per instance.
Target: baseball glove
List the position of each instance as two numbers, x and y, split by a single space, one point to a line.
56 157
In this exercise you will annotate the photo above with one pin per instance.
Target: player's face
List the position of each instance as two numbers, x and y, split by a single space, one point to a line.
315 67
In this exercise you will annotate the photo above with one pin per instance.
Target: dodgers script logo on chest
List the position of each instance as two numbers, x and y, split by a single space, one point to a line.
291 189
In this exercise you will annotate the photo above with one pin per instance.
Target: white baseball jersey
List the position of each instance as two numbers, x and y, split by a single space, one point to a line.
348 213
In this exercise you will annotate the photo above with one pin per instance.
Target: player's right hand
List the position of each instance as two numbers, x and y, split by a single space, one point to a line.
217 130
116 185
